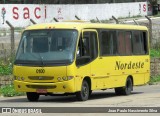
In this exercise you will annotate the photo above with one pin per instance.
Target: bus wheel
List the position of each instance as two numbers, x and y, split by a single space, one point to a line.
83 95
128 88
32 96
125 90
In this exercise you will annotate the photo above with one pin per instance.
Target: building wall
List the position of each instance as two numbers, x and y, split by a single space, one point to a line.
66 1
20 15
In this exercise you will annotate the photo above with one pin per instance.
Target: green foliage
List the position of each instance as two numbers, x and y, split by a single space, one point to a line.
157 15
9 91
135 16
96 21
6 66
155 52
154 79
5 69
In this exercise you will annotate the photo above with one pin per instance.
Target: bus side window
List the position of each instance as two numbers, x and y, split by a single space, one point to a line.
144 43
83 49
139 43
128 41
108 43
121 43
87 48
124 43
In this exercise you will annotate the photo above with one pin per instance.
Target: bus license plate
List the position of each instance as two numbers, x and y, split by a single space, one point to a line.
41 90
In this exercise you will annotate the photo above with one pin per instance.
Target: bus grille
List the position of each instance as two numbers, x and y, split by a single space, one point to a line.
40 78
41 86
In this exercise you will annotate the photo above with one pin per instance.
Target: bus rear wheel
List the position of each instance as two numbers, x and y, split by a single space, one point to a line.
83 95
125 90
32 96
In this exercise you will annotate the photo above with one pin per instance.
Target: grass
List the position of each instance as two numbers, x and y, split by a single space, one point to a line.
154 79
155 52
6 66
96 21
9 91
6 69
136 16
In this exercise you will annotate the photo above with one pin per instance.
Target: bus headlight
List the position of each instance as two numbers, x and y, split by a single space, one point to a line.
18 78
64 78
22 78
67 78
70 77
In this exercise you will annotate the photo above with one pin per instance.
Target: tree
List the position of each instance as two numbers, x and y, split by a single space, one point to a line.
153 2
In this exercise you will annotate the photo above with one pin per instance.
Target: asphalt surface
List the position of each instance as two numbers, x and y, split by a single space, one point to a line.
142 96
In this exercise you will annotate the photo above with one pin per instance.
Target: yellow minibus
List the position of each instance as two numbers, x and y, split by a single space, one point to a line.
78 57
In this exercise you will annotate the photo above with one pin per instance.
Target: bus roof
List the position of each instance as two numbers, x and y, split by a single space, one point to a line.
84 25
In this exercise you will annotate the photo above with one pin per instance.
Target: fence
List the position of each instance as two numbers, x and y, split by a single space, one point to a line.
156 33
8 47
5 50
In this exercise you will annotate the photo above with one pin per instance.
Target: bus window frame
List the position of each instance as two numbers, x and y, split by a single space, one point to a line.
146 42
80 39
125 30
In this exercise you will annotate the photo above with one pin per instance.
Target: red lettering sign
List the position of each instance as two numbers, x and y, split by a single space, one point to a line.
15 13
45 10
26 13
144 7
35 12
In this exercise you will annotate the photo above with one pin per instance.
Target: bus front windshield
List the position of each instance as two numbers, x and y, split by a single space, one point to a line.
44 47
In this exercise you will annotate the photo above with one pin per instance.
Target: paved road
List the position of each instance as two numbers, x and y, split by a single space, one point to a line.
142 96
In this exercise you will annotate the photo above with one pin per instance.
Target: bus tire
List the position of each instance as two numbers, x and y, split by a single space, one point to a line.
83 95
32 96
125 90
118 91
128 88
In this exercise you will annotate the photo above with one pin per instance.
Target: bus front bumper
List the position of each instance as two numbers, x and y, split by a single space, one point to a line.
62 87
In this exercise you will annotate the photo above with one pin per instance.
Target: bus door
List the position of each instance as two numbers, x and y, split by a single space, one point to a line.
87 52
102 69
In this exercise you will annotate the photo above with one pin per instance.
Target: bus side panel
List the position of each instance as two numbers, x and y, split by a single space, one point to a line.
136 66
112 71
105 73
80 73
147 78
